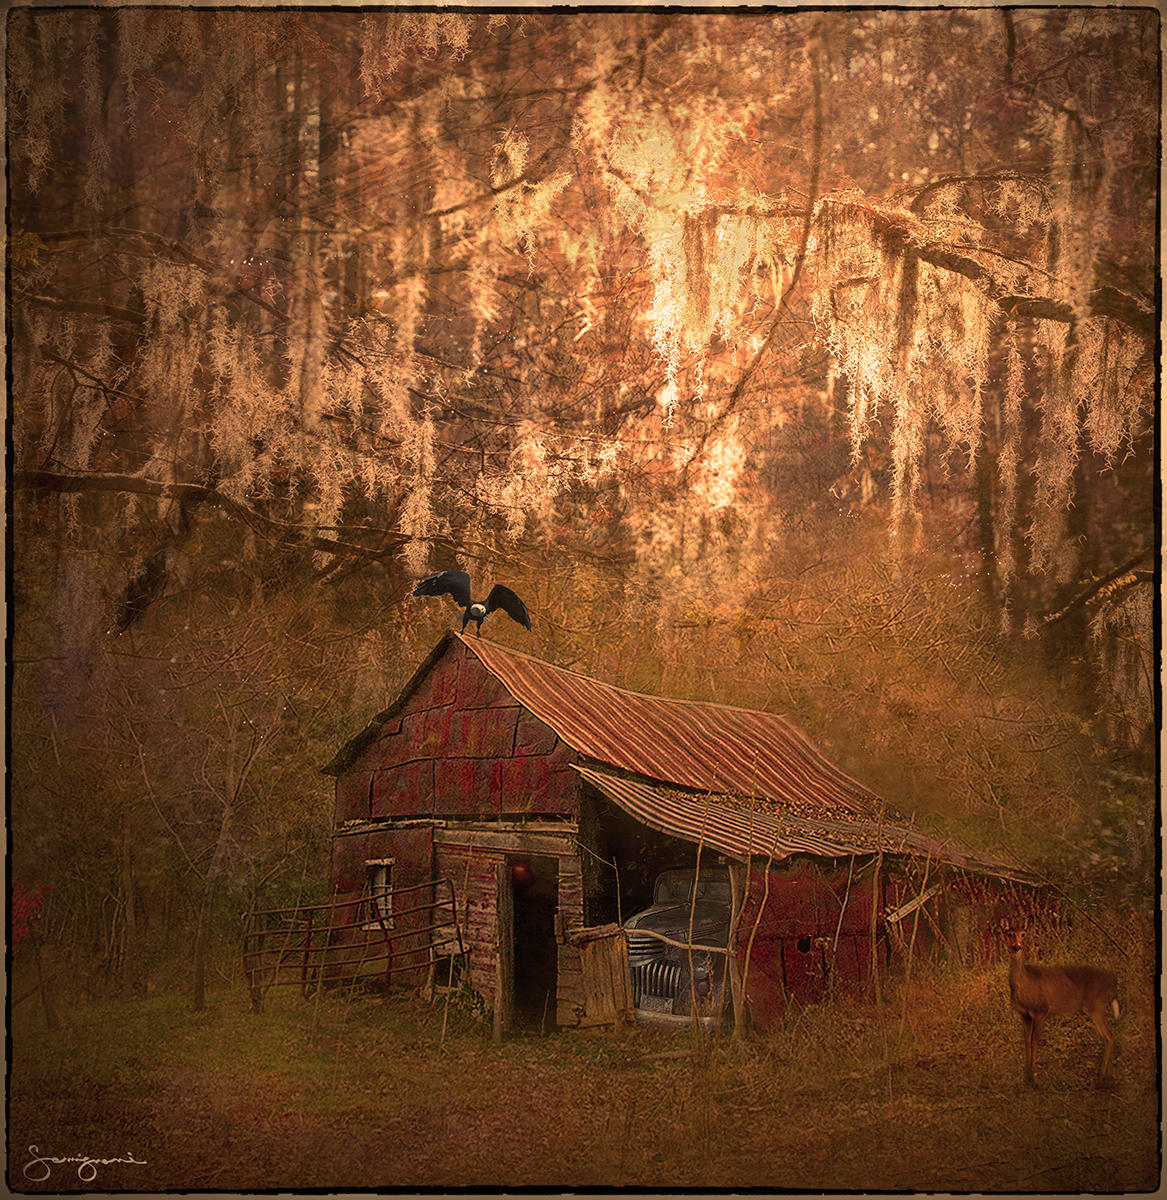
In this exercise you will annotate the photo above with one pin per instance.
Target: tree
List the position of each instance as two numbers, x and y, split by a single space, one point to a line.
651 300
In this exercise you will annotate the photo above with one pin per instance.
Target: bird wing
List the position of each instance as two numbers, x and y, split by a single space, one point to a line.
502 597
453 583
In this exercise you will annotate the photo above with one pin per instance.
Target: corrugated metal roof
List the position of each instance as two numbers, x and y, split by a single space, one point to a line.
694 744
724 824
747 783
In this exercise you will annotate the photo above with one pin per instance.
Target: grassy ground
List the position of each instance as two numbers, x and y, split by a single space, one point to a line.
369 1092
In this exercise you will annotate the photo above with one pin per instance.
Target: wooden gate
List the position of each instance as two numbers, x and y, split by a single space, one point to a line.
607 983
349 941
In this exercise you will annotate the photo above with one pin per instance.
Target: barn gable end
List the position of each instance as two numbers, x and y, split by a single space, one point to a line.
456 744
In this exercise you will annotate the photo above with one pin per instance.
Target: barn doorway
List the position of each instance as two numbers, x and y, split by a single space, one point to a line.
534 880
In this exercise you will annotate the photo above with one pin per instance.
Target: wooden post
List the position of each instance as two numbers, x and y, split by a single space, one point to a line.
696 1022
304 960
912 944
839 923
758 917
504 992
733 972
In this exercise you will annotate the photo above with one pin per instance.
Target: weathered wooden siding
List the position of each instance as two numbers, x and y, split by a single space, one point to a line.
412 854
460 747
473 867
473 871
569 1008
409 848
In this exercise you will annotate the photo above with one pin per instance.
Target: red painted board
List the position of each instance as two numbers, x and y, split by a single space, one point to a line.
466 786
803 970
477 688
482 733
405 791
764 994
352 795
532 736
348 865
440 687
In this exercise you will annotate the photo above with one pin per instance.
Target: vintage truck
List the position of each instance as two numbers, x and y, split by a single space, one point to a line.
676 949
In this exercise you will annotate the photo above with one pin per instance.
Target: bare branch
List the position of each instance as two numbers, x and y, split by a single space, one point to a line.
1120 578
267 527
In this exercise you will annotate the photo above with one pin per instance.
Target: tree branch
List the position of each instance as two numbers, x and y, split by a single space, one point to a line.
903 236
266 527
1121 577
88 307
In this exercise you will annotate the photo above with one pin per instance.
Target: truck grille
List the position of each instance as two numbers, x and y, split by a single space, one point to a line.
657 978
642 947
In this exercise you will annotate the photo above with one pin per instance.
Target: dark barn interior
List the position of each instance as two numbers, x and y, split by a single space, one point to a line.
534 881
619 847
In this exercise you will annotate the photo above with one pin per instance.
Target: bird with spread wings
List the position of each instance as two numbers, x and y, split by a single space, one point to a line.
457 584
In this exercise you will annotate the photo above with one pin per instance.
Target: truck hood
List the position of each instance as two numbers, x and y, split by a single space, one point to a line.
710 921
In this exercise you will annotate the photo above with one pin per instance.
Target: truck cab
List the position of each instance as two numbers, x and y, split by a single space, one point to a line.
677 948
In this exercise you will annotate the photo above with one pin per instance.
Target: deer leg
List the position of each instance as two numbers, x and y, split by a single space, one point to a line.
1108 1044
1027 1026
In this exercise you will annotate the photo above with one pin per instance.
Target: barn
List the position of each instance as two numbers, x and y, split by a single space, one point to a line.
499 823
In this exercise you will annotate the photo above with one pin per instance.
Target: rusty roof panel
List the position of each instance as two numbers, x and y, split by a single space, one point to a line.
694 744
713 822
726 825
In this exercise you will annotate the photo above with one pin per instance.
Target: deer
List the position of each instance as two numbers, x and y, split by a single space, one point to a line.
1038 992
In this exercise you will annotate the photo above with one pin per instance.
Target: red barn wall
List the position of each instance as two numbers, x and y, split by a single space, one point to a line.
461 746
412 854
471 864
793 925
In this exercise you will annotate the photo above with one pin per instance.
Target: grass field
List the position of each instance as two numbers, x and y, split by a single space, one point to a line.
370 1091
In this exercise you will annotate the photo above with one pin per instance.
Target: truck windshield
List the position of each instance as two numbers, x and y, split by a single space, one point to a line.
673 887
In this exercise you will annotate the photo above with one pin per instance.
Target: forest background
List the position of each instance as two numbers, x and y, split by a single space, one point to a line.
802 361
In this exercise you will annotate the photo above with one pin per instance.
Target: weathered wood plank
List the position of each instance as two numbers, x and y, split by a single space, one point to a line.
466 785
515 840
606 980
527 785
373 754
482 732
504 992
348 865
532 736
477 688
440 687
429 732
582 936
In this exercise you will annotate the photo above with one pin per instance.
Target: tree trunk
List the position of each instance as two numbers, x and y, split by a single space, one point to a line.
986 530
201 941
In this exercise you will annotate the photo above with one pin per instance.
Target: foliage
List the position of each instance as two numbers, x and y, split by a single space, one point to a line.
814 345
